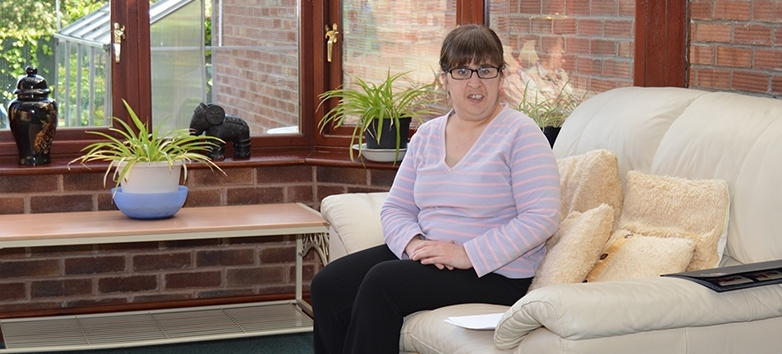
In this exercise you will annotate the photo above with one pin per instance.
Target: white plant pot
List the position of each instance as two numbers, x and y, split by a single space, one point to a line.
152 177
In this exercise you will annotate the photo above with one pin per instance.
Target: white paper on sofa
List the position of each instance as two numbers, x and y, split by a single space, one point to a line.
478 322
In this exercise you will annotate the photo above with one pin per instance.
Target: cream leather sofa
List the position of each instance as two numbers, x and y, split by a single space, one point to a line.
664 131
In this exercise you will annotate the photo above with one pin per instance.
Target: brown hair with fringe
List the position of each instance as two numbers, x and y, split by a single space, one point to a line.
469 44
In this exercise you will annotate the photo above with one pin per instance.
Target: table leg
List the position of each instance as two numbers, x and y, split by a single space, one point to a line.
304 244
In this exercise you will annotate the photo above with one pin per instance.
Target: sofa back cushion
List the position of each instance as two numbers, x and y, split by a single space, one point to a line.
695 135
738 139
630 122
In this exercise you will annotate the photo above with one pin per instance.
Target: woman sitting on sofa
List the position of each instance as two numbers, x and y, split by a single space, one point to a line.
466 219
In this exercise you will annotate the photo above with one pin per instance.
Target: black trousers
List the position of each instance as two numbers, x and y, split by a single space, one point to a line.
360 300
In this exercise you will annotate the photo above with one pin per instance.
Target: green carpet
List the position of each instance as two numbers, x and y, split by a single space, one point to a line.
298 343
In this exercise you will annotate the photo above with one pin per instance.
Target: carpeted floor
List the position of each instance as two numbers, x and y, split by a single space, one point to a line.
298 343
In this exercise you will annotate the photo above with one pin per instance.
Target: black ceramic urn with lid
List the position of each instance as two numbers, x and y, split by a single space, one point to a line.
33 118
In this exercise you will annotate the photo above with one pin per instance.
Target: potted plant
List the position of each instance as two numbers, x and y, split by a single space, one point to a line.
133 155
549 113
379 110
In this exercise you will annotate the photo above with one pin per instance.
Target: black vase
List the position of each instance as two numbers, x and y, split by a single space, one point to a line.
551 134
388 136
33 119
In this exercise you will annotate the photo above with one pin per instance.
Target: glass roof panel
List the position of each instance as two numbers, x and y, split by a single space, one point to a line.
94 28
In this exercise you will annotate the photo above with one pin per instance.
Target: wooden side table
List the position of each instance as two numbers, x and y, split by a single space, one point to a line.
164 326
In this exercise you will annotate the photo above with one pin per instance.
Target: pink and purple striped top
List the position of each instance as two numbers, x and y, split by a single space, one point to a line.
501 201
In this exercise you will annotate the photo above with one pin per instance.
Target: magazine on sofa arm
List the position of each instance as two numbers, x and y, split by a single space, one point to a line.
736 277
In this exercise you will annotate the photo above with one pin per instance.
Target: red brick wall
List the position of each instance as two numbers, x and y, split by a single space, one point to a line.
735 46
598 36
76 276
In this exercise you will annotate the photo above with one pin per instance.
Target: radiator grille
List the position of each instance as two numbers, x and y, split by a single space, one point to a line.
127 329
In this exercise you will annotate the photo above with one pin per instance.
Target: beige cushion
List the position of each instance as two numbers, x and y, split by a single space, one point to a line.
575 247
588 180
635 256
677 207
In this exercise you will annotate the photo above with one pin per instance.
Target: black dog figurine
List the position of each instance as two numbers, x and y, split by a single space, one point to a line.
212 120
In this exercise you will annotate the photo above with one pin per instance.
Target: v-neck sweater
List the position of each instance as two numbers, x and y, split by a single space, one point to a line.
501 201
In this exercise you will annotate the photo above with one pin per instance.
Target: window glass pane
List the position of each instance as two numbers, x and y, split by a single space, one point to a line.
564 48
252 63
177 61
736 47
82 72
400 36
238 55
66 41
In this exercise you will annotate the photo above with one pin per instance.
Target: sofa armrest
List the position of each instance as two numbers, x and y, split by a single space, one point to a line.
355 221
592 310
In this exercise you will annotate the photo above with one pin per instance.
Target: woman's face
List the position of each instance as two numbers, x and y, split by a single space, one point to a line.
474 98
557 55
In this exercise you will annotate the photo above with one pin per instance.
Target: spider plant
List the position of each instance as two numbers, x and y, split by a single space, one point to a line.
372 103
549 112
134 144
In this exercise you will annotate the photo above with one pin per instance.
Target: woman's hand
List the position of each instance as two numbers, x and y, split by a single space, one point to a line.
442 254
413 244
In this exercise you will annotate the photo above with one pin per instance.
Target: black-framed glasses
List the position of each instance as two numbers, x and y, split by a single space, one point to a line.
488 72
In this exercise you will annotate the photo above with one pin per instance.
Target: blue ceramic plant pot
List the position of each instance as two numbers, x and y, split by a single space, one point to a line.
149 206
